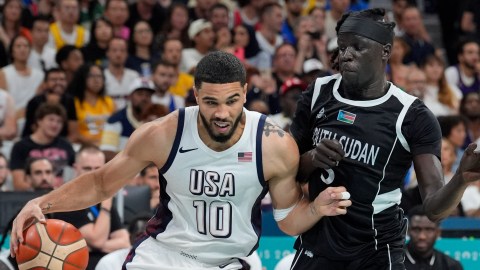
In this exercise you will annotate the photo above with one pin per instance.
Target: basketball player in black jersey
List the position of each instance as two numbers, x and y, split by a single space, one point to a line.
357 130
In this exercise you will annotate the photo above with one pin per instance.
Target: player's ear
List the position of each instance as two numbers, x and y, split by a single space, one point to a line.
195 92
245 88
386 51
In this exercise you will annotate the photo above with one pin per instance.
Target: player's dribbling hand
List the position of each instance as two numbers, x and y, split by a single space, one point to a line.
27 216
327 154
470 164
332 201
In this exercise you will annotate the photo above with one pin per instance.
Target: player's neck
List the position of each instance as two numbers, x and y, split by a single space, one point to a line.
374 90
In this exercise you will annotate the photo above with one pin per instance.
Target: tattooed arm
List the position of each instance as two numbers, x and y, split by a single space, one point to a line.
280 159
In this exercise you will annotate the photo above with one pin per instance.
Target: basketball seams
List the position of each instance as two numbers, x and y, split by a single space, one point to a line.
55 241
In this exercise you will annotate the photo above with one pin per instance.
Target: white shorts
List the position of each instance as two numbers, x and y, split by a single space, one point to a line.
152 255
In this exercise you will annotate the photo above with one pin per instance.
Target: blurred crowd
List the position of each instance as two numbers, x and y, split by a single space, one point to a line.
84 74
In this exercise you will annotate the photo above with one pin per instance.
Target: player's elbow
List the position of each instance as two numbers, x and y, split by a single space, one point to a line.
288 228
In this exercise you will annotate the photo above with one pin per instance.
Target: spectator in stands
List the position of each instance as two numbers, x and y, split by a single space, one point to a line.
219 16
395 15
258 105
337 8
55 85
154 112
39 172
464 75
270 25
201 10
69 58
66 30
90 10
440 97
203 37
4 172
100 224
248 13
149 11
164 75
293 14
172 53
283 70
18 78
454 129
121 124
448 158
246 48
117 77
96 49
420 252
44 142
470 108
141 53
175 27
415 36
11 22
470 21
223 40
116 11
311 43
93 106
397 69
416 82
41 57
289 95
149 176
312 69
8 122
318 15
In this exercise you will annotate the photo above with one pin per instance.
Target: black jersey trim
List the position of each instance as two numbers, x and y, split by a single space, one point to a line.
176 142
158 223
258 149
131 254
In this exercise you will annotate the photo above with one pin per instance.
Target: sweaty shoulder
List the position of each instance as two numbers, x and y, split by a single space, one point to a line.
280 152
153 140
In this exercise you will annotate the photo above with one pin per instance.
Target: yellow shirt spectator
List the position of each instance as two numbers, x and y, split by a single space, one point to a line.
183 84
91 118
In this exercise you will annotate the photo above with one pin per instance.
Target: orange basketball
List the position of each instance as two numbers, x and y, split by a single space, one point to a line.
55 245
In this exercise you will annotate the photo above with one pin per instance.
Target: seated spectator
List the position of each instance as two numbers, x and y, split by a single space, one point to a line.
420 252
96 49
100 224
219 16
290 93
203 37
117 77
8 122
18 78
91 103
4 172
454 129
46 142
154 112
116 11
172 53
175 27
121 124
397 69
416 83
149 176
332 16
41 56
69 58
164 75
39 172
470 108
267 34
140 48
440 97
55 84
11 23
464 75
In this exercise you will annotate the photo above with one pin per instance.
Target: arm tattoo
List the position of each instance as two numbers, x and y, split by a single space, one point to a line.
46 208
269 128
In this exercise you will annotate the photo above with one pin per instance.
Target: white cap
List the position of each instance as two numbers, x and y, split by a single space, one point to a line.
332 44
141 83
197 27
312 65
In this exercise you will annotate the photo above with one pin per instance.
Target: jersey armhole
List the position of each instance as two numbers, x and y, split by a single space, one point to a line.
258 150
176 142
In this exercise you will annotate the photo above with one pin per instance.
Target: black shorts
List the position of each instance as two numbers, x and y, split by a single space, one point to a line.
387 258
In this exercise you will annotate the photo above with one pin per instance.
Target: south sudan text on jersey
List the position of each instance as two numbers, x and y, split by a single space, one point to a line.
354 149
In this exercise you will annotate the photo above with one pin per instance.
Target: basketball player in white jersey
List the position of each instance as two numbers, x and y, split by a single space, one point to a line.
217 160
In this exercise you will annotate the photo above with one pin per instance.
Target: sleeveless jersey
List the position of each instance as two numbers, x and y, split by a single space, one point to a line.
210 201
379 141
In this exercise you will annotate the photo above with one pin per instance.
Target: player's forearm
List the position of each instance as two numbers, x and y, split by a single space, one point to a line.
305 168
77 194
303 217
440 204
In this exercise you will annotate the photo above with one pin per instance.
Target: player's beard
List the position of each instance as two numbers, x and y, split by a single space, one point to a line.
221 138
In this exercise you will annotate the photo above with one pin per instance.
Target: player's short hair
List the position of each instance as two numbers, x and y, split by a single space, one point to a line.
219 67
31 160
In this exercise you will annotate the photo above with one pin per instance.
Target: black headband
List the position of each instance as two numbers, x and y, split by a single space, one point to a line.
368 28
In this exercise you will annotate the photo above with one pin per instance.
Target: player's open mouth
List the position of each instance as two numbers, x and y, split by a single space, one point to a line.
222 126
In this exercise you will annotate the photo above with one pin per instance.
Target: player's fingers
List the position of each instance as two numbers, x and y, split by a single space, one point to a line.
344 203
471 148
341 211
335 146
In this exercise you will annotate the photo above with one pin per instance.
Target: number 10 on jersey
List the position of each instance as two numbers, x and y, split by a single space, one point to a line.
216 219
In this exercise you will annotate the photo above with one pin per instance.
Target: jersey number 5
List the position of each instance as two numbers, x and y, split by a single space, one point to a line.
218 215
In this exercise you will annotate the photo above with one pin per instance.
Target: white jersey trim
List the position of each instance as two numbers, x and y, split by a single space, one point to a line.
407 101
319 82
362 103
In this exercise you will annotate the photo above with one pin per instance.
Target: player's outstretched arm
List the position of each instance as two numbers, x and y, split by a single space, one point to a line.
150 143
293 212
439 201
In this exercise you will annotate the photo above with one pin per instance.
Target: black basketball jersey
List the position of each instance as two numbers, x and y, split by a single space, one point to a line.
380 138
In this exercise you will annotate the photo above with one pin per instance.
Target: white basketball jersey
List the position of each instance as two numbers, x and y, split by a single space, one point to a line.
210 208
